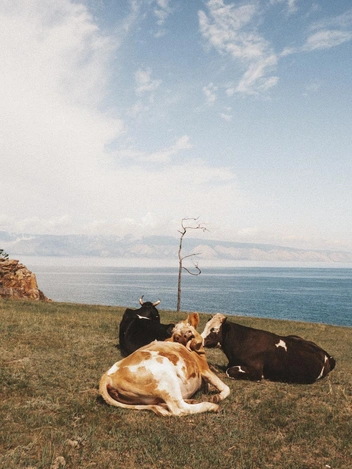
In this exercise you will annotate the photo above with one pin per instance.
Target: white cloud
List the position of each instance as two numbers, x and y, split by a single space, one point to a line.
63 42
54 68
232 31
162 156
137 109
326 39
59 176
227 114
325 34
253 81
312 87
162 11
290 5
120 202
144 82
226 117
210 93
343 21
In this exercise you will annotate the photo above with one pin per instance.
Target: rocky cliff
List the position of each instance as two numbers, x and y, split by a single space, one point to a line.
16 281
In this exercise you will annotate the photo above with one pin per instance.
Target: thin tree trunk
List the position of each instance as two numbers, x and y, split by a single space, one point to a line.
198 226
179 272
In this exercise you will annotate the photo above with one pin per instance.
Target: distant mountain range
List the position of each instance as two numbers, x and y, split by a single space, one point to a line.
157 247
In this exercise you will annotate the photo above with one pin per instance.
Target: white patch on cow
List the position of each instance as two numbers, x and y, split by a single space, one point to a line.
168 375
281 344
213 325
150 362
112 370
322 370
237 367
142 317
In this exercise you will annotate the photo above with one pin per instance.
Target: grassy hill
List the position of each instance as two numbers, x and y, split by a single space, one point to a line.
52 356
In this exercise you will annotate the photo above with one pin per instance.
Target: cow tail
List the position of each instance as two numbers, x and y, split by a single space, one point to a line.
106 382
332 363
329 365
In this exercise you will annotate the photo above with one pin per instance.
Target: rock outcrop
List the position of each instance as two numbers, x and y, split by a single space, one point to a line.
16 281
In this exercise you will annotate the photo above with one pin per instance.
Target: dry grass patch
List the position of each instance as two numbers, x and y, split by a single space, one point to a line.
53 355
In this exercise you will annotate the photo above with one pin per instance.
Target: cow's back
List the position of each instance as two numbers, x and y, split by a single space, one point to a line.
159 364
141 332
299 361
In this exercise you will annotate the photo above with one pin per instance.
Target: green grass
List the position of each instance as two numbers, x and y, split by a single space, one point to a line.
53 354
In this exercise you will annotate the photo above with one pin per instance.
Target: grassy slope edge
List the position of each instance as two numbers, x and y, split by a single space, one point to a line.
53 354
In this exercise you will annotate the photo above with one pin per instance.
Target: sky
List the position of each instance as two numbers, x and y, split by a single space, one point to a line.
121 117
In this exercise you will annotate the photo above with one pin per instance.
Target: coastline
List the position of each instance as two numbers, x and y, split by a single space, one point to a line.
142 262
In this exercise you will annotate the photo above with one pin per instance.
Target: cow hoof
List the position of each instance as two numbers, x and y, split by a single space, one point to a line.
191 401
215 399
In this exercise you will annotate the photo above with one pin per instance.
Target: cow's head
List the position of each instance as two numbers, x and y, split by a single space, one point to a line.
212 332
185 333
148 310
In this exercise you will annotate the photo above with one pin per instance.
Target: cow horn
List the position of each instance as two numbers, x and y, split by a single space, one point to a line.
156 303
141 300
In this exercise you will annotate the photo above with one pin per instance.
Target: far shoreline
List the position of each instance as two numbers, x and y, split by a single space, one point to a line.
63 261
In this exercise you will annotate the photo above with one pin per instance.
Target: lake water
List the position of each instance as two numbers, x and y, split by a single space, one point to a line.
321 295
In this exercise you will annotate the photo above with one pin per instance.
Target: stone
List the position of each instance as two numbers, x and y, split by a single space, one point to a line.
17 282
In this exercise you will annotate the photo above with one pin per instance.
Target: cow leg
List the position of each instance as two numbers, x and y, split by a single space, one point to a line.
179 406
209 377
183 408
169 390
244 372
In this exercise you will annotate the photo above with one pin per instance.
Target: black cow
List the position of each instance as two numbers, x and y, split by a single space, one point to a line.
255 354
141 326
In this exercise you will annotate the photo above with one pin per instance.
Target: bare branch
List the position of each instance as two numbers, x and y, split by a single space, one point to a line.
193 273
187 223
191 255
194 226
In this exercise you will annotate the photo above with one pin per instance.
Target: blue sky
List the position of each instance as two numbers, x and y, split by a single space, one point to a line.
122 117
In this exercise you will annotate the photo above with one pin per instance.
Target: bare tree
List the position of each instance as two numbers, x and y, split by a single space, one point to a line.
187 224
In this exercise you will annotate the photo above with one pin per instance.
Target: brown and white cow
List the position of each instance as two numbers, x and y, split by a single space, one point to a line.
255 354
162 375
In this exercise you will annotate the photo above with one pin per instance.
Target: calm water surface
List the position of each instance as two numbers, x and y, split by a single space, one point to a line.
304 294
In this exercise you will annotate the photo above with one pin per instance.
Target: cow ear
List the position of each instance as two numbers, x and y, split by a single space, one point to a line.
223 318
170 329
194 344
193 319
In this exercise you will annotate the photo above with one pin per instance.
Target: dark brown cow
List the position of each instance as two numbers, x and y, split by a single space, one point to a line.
255 354
141 326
